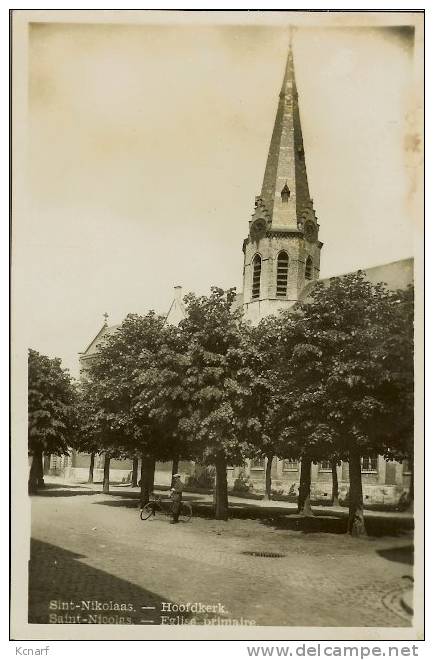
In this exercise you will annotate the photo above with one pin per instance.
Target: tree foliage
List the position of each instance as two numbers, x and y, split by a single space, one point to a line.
52 412
217 378
52 420
331 379
346 381
117 419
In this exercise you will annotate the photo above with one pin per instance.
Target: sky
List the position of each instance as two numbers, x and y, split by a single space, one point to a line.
147 145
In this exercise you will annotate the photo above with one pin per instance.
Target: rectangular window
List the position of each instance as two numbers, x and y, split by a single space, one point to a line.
369 464
325 466
257 463
406 466
290 466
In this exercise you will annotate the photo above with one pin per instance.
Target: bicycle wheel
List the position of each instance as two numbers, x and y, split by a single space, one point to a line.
186 512
147 511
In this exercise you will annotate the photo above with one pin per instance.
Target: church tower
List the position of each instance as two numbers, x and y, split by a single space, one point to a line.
282 251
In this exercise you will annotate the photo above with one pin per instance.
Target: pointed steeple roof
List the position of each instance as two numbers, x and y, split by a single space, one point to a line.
286 167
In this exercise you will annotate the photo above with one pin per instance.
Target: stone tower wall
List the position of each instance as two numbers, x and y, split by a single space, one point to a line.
269 247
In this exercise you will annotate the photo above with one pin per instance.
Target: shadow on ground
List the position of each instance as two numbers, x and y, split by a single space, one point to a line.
402 555
323 522
276 517
58 576
54 490
56 486
332 522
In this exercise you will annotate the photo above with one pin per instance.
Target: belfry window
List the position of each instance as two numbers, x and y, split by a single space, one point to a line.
282 274
256 279
309 269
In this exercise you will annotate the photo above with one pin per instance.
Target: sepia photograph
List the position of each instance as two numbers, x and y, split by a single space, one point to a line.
217 340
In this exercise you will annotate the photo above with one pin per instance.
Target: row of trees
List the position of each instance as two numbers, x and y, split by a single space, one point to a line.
330 380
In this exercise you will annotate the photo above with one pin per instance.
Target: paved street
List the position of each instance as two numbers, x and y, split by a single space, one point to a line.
94 548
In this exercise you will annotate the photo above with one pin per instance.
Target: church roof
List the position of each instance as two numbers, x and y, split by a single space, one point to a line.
396 275
105 331
285 171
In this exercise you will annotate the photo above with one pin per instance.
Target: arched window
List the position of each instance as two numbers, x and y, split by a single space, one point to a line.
309 269
256 281
282 274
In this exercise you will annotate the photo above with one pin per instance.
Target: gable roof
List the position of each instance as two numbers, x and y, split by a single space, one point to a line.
176 311
105 331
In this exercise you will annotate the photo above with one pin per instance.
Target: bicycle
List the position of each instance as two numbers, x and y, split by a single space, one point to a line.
165 507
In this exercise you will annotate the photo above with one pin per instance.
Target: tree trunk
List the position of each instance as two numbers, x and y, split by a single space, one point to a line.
175 465
335 487
36 472
151 475
304 507
268 477
147 473
40 465
106 480
356 522
214 494
47 461
221 509
91 467
411 491
135 472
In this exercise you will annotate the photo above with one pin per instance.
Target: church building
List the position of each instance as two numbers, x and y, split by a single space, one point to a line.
281 263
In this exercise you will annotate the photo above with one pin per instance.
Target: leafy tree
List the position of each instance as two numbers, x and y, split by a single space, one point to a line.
163 394
286 372
396 352
262 346
217 383
120 418
52 422
99 432
357 340
279 389
87 439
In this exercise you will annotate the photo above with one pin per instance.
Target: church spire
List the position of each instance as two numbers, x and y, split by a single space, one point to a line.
286 168
282 251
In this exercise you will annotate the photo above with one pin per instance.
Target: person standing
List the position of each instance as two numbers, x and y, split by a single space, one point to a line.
176 495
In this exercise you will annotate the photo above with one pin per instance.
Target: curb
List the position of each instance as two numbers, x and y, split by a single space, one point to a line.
406 601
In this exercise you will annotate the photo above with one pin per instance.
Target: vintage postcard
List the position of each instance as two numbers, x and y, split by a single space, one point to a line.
217 325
